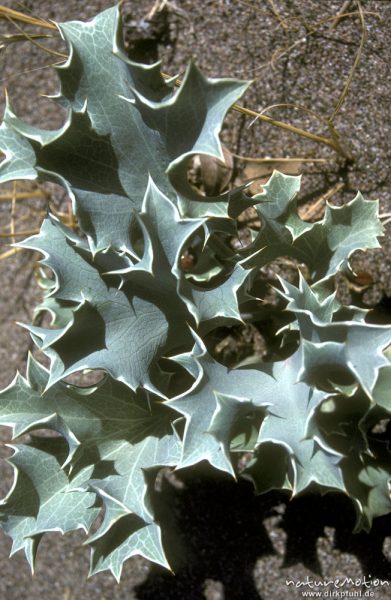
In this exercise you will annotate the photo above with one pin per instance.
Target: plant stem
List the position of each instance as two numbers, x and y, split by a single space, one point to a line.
6 13
20 233
346 89
333 141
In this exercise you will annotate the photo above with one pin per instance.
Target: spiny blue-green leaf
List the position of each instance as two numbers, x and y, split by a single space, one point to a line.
268 469
113 319
277 196
235 425
19 161
160 218
121 536
61 312
343 229
368 482
341 346
286 423
197 110
324 246
112 315
122 300
273 205
114 428
217 304
193 205
120 133
43 498
203 406
128 489
219 397
332 349
345 423
341 419
382 390
307 305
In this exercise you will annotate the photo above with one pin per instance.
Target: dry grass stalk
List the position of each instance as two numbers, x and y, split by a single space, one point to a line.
33 40
23 196
316 210
9 253
340 15
275 12
285 159
9 13
333 141
14 38
24 233
13 210
357 59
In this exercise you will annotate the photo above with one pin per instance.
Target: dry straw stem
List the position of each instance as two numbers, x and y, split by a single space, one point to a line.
310 31
316 210
286 159
363 40
9 13
13 195
387 217
13 211
34 41
14 38
24 233
309 111
68 595
23 195
9 253
340 15
275 12
20 73
156 8
333 141
281 20
28 232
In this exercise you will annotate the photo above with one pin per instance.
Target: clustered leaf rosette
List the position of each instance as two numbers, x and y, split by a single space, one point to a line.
120 303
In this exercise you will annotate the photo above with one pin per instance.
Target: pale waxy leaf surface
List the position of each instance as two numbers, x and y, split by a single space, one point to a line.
122 299
286 423
119 133
43 498
324 246
118 436
217 395
368 482
112 314
332 347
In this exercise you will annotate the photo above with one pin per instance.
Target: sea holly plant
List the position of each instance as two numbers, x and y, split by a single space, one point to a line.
121 303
